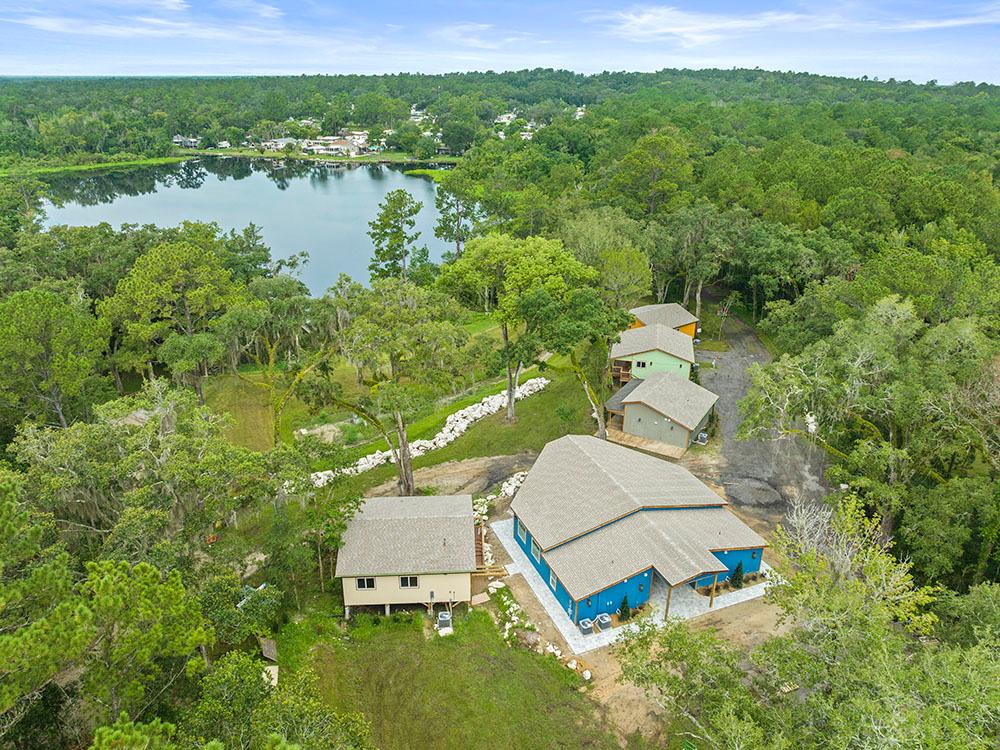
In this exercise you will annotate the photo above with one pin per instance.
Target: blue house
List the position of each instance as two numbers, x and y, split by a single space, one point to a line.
601 522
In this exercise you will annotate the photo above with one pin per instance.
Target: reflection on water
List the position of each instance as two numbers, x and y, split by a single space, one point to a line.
323 209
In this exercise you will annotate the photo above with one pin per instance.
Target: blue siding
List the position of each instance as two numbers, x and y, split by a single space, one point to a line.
610 599
731 558
636 588
562 596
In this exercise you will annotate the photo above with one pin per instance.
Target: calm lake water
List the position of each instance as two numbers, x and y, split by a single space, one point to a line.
322 209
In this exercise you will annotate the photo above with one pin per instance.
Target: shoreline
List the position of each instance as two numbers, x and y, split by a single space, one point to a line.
391 158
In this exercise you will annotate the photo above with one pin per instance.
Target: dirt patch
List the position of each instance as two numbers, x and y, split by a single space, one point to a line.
626 707
745 625
470 476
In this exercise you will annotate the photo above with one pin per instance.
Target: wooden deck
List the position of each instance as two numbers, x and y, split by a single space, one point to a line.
644 445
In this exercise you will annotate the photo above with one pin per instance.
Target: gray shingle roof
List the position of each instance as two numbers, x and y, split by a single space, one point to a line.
673 396
654 337
677 543
616 402
580 483
671 315
409 535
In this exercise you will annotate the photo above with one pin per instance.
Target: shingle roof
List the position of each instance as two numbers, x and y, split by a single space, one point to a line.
677 543
616 402
673 396
409 535
579 483
654 337
671 315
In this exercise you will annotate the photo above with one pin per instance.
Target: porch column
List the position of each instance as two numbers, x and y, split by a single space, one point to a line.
711 599
666 610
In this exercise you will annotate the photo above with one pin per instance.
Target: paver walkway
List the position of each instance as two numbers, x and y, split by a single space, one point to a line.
685 602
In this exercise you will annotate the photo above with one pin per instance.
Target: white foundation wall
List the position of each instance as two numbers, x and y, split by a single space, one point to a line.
454 587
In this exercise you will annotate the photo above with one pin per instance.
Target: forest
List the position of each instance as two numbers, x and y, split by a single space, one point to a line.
854 225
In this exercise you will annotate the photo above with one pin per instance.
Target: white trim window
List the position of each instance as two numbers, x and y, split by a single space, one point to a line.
408 582
553 580
365 584
522 533
536 551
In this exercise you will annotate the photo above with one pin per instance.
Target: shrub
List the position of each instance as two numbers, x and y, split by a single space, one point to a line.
736 579
625 611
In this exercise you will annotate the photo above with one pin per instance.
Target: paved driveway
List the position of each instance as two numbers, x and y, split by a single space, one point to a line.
766 474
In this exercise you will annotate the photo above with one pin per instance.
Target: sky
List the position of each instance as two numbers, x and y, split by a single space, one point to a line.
912 40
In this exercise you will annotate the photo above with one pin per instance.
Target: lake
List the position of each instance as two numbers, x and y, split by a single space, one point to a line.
323 209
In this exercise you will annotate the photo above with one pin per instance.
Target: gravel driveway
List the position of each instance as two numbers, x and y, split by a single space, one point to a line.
760 473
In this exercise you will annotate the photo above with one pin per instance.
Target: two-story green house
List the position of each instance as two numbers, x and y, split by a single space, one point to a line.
651 348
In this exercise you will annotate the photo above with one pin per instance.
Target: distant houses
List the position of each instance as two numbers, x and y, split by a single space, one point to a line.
651 348
604 525
409 550
186 141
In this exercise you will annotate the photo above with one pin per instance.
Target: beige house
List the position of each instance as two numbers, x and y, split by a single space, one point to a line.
409 550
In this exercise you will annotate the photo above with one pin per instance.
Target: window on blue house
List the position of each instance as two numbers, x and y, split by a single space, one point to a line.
536 551
553 581
753 555
640 587
522 532
588 601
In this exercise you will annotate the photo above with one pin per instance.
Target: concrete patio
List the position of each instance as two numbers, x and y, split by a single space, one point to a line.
685 602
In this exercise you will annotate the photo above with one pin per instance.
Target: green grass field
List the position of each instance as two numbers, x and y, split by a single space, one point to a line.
41 169
467 691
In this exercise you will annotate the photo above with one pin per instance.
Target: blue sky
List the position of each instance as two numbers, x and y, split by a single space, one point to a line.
906 40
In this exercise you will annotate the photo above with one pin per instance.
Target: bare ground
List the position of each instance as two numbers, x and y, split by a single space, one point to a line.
469 476
758 473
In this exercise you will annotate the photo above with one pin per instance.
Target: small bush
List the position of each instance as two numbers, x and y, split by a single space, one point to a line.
736 579
625 611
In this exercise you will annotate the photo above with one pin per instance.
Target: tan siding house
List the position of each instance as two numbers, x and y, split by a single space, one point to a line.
409 550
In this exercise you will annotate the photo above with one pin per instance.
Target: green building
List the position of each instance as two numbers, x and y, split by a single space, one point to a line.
640 352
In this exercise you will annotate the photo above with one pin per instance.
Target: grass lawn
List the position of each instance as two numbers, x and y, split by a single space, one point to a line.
39 169
560 409
466 691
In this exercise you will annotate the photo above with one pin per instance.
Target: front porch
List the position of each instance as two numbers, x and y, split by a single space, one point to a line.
615 435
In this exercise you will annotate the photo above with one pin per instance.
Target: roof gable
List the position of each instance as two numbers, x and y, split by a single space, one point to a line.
677 398
580 483
677 543
655 337
409 535
669 314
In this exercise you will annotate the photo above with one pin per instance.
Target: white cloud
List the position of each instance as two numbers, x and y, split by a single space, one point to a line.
466 35
649 23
